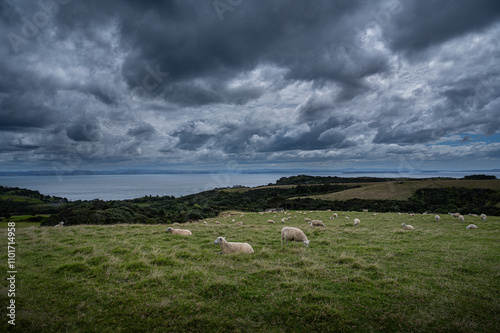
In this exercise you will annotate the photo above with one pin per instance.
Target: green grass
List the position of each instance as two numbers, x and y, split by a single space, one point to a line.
403 190
18 198
374 277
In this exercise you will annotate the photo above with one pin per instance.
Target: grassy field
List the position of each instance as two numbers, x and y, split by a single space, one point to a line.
403 190
374 277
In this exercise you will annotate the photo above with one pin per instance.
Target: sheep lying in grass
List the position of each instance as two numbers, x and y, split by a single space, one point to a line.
407 226
461 218
437 218
471 226
59 225
181 232
230 247
356 222
270 221
316 223
293 234
483 217
238 223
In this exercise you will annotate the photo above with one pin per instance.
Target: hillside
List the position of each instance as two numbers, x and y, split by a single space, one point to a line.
404 190
376 277
18 201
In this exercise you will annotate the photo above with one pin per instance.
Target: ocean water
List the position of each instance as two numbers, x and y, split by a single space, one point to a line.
120 187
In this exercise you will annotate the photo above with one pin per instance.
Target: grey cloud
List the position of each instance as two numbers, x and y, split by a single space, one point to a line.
425 23
143 130
83 130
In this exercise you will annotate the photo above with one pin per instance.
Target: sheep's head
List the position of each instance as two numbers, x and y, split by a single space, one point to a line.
169 229
306 243
219 239
403 224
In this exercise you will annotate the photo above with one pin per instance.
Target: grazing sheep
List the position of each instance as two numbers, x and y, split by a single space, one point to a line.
335 215
59 225
283 220
356 222
182 232
375 214
316 223
270 221
217 222
307 219
230 247
238 223
293 234
483 217
456 215
471 226
204 222
407 226
461 218
437 218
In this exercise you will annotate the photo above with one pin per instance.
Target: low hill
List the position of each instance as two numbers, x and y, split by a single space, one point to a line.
404 190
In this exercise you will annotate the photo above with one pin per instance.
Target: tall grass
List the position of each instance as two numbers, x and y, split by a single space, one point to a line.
374 277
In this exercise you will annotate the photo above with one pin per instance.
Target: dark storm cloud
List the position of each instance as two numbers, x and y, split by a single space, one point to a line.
83 130
426 23
119 80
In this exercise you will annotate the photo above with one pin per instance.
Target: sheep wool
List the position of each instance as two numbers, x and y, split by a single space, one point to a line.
407 226
471 226
356 222
316 223
293 234
437 218
181 232
232 247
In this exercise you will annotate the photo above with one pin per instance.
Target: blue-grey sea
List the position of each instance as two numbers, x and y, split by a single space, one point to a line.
120 187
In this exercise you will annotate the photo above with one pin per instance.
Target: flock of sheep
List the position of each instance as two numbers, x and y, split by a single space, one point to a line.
296 234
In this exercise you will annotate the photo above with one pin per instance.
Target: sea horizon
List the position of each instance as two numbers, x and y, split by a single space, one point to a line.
131 186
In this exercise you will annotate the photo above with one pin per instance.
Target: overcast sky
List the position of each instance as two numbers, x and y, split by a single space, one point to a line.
197 84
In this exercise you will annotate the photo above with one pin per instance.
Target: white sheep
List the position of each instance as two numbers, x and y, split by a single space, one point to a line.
283 220
461 218
456 215
231 247
471 226
307 219
407 226
270 221
347 217
238 223
316 223
356 222
293 234
335 215
437 218
181 232
59 225
483 217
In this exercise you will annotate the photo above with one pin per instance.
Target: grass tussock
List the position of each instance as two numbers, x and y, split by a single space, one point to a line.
374 277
